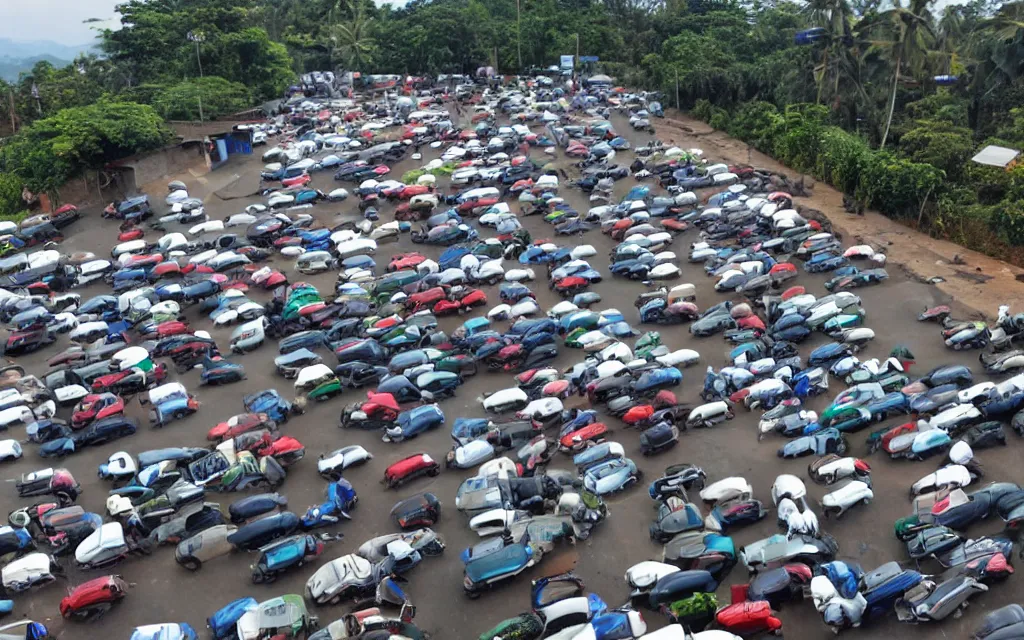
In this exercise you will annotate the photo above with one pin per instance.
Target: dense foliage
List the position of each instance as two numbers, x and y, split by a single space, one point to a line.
45 154
215 96
886 101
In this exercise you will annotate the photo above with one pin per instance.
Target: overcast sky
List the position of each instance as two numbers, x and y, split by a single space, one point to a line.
58 20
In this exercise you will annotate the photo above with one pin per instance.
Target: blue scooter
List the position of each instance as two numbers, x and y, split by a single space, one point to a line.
341 498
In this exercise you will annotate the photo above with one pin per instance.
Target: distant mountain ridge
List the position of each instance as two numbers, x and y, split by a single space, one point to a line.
19 57
12 68
37 48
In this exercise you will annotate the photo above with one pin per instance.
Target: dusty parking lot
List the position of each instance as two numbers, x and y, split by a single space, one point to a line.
164 592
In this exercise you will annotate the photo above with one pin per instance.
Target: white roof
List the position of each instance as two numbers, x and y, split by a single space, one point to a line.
994 156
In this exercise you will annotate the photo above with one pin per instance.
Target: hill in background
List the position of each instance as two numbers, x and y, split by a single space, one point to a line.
18 57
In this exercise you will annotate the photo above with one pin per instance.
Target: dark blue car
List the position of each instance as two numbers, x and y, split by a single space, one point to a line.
271 403
415 421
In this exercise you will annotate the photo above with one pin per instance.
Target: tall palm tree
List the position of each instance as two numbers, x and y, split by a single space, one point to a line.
1006 30
836 17
352 40
1008 22
904 35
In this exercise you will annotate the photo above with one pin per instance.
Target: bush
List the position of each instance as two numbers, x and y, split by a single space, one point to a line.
1007 221
719 119
799 135
756 123
939 143
702 110
841 159
45 154
895 186
219 98
10 194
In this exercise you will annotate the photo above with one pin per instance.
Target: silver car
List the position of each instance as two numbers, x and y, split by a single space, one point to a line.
211 543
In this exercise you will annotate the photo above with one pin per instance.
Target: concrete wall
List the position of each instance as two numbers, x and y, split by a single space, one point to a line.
138 171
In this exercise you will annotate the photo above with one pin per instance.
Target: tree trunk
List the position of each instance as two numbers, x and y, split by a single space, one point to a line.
892 102
824 73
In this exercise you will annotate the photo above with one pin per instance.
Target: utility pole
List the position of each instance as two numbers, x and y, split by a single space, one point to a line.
677 88
577 67
197 37
519 36
10 95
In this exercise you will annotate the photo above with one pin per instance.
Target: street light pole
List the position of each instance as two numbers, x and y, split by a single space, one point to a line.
197 37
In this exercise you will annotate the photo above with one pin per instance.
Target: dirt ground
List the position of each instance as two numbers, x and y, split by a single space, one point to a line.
162 591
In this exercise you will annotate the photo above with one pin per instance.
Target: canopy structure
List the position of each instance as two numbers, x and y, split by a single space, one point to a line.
994 156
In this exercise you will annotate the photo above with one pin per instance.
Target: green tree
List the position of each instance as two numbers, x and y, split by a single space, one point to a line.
157 43
352 41
218 98
10 195
903 35
940 144
45 154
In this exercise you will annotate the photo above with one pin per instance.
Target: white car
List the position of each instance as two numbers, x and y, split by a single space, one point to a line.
249 336
332 582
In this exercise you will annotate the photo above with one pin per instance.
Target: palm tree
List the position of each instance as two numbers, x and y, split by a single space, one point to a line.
353 41
1008 23
1006 47
836 17
904 36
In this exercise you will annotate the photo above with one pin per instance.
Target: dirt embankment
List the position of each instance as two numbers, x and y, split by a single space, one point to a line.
970 278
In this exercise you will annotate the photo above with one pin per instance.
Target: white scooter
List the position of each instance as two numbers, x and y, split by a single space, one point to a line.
727 490
949 477
845 497
831 468
838 612
790 497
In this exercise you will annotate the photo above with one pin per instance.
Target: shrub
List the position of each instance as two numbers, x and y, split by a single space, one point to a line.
218 96
895 186
939 143
841 159
1008 222
719 119
756 122
702 110
10 195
